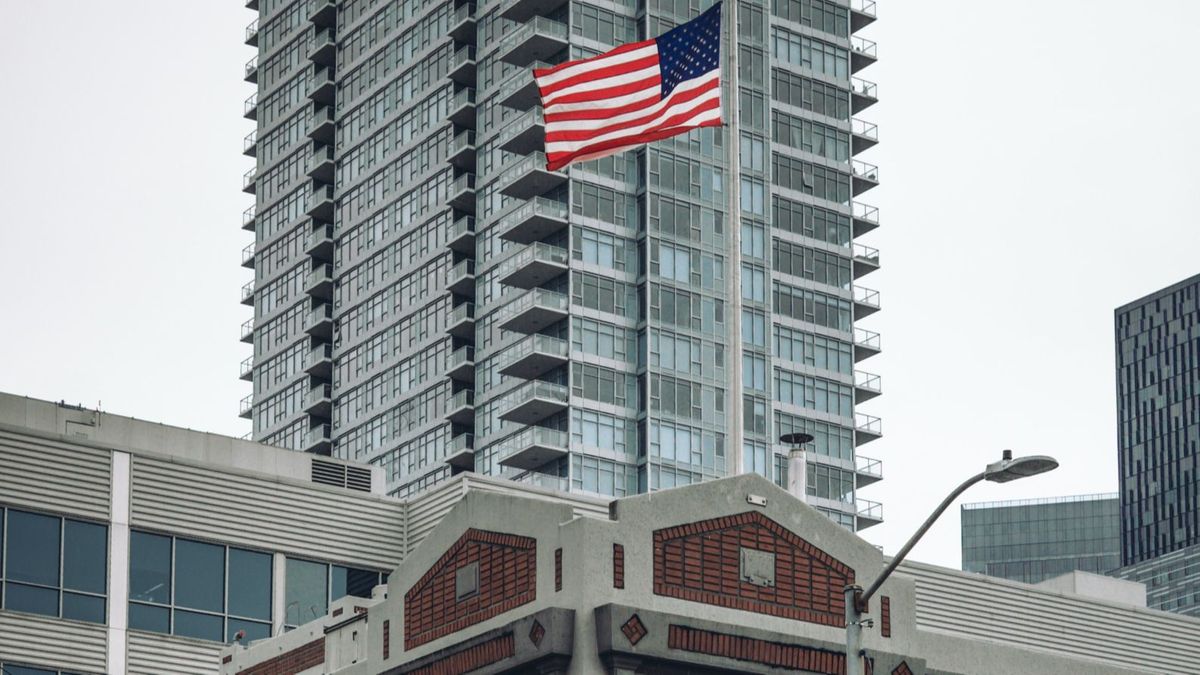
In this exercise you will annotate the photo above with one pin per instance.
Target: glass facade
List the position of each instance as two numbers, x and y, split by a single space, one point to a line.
53 566
428 297
1039 539
1158 418
1172 580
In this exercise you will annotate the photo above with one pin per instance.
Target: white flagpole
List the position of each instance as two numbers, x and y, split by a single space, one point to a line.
733 318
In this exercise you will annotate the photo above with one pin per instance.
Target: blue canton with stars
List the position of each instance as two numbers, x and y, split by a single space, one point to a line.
690 50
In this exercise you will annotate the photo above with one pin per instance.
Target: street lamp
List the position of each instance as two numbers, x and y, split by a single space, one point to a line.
856 599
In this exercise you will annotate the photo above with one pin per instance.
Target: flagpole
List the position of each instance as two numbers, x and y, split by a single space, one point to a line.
733 318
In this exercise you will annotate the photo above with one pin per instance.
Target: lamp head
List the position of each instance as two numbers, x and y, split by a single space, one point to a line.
1022 467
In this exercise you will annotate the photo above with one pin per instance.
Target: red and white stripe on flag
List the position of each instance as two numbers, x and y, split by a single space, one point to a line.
599 106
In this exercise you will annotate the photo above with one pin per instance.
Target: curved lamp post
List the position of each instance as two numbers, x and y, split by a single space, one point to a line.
1003 471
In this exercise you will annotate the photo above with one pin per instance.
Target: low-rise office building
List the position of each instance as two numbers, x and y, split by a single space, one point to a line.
730 576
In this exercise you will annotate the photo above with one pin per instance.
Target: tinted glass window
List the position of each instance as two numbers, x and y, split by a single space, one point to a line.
33 599
33 548
83 607
306 591
254 630
146 617
199 576
197 625
25 670
150 568
85 557
249 584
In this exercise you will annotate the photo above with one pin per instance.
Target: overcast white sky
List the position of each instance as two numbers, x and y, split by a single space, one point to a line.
1038 167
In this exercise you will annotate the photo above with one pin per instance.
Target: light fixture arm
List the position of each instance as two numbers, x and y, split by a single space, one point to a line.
862 599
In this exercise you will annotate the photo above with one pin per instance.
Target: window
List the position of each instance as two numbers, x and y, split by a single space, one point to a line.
13 669
311 586
54 566
198 589
754 458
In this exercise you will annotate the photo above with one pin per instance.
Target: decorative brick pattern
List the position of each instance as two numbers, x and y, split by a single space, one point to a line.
618 566
387 638
299 659
536 632
885 616
634 630
472 658
701 562
507 579
557 570
774 654
902 669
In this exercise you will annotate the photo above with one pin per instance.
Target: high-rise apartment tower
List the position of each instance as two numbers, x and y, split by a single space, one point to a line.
428 297
1158 418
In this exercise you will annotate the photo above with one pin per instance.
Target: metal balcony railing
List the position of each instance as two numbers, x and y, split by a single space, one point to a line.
462 150
248 255
462 66
865 212
520 91
319 358
462 24
462 108
250 108
321 124
861 45
866 253
533 402
533 447
863 7
252 32
322 12
250 143
252 69
320 320
533 356
864 87
245 406
317 438
248 330
461 277
868 381
318 400
529 178
533 220
248 217
864 170
534 265
525 133
537 39
462 407
319 243
869 510
867 130
463 356
248 180
866 296
460 453
246 370
461 236
462 321
865 466
462 193
868 424
867 339
248 293
322 48
534 310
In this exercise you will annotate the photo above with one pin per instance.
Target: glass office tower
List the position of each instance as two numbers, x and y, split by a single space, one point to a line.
430 298
1158 417
1037 539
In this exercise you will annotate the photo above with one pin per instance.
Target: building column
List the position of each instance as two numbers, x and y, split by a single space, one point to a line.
278 593
118 565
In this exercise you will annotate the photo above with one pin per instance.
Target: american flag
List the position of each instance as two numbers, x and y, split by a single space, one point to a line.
634 94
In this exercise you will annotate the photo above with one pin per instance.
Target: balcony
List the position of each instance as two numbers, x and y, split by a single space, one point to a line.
460 364
862 14
250 144
533 356
252 4
462 408
868 470
522 10
530 177
866 218
462 193
462 24
869 513
252 70
322 12
867 428
320 282
318 401
462 66
462 151
536 219
863 94
520 90
319 243
865 260
866 386
248 255
863 176
248 217
534 265
317 440
462 321
320 321
532 448
321 125
246 371
250 108
863 135
862 53
245 406
248 293
537 40
460 279
321 86
866 302
248 331
322 49
321 163
866 344
319 361
461 453
533 402
248 185
462 235
320 204
462 108
524 134
534 310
